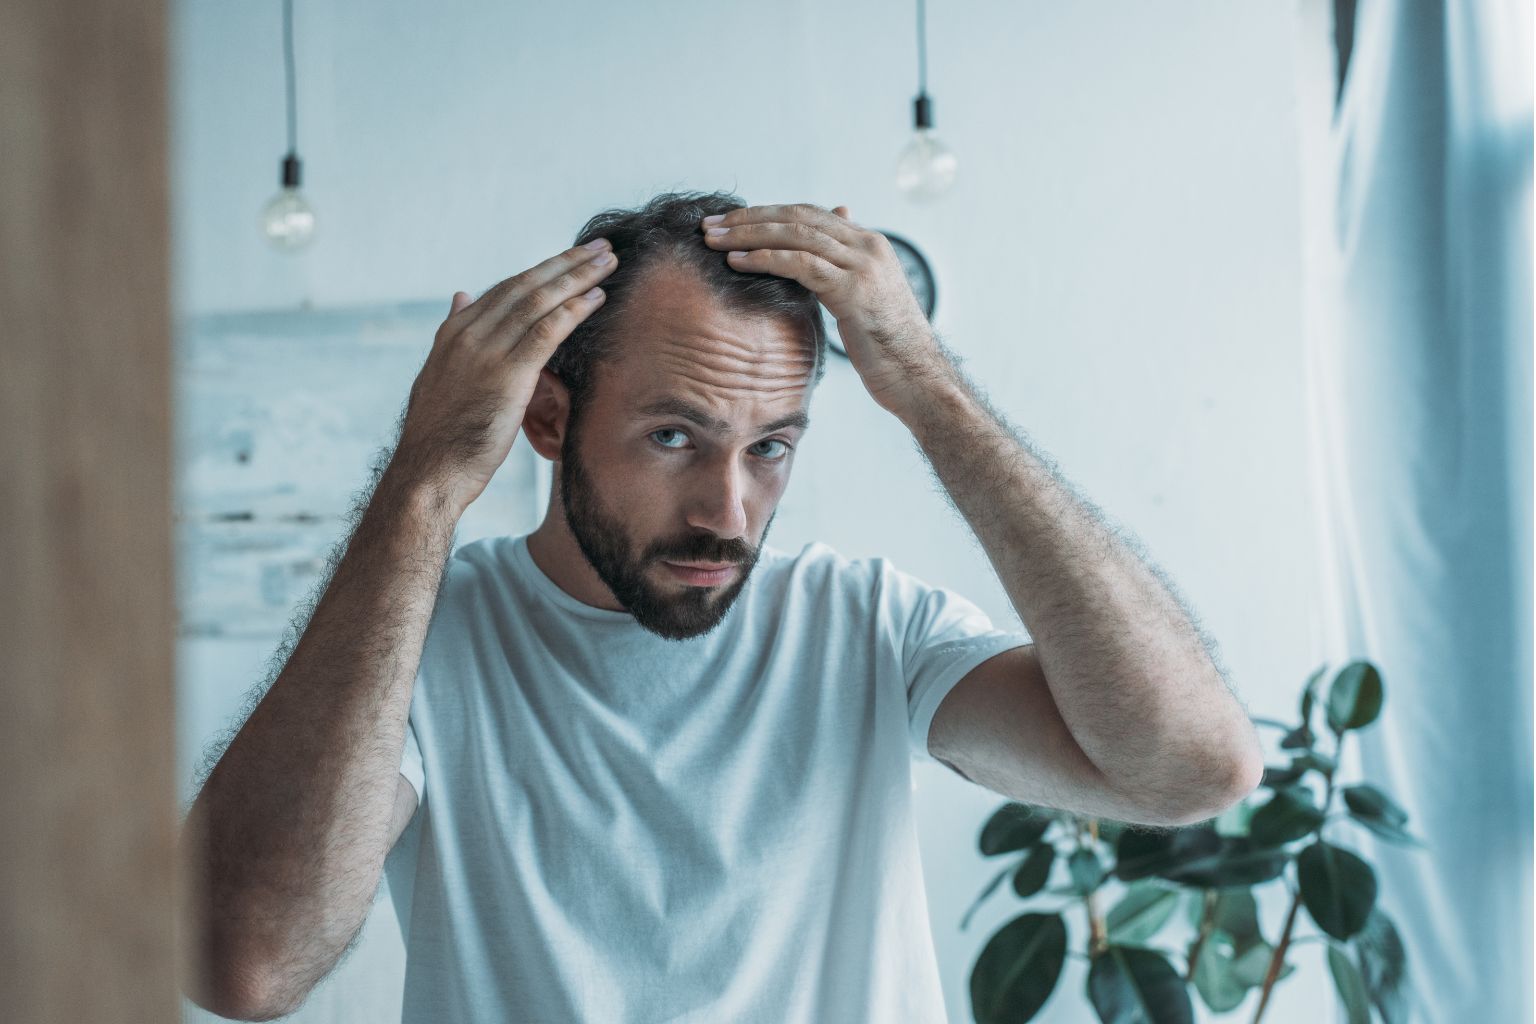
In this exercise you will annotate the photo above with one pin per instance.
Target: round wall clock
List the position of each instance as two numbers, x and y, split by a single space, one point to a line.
919 276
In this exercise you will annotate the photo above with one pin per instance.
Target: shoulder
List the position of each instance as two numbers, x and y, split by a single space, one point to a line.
481 555
822 571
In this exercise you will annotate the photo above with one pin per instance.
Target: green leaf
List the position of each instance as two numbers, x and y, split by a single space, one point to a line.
1300 738
1237 914
1384 967
1280 776
1197 855
1215 979
1315 761
1346 978
1141 854
1109 831
1137 986
1354 699
1252 964
991 886
1366 801
1141 912
1391 833
1087 872
1035 870
1018 969
1289 815
1377 812
1235 820
1309 693
1234 911
1235 861
1014 826
1337 888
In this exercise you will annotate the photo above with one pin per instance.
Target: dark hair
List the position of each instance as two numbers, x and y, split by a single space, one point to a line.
666 229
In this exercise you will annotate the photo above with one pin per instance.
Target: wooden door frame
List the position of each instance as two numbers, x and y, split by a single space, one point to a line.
87 649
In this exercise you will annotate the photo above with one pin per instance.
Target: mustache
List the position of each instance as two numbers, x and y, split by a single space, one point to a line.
706 549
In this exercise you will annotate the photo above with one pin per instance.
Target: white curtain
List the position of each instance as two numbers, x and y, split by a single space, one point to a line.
1419 332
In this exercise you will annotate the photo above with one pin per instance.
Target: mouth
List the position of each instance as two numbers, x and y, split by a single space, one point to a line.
702 574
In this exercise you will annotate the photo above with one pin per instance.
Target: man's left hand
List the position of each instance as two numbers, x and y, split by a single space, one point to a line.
856 274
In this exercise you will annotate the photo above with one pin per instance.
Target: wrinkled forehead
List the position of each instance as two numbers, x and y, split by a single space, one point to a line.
682 342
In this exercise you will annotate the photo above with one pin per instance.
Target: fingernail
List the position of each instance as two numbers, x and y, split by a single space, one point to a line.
596 243
715 232
714 218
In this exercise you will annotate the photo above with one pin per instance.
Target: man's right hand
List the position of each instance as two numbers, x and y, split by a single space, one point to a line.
468 400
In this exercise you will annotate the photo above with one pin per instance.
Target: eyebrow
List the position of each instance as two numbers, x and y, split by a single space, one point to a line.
677 407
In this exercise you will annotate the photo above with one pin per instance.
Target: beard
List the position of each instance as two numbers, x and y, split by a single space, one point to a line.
672 614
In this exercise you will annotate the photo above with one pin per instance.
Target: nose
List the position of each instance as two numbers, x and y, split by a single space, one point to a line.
717 501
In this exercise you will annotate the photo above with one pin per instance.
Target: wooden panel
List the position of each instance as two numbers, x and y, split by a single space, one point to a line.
279 417
87 800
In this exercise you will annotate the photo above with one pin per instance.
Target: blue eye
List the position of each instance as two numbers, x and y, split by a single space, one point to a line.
785 444
666 430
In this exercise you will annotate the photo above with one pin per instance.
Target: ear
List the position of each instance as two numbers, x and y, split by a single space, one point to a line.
545 418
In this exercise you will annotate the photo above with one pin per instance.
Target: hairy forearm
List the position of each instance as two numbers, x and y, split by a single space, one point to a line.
1130 672
287 838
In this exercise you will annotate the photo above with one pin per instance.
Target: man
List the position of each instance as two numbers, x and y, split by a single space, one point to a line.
639 765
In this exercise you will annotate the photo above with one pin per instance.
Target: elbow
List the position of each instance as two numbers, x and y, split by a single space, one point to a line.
1209 799
1221 785
242 1001
232 987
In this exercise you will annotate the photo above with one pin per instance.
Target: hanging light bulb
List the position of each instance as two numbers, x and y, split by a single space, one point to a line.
288 219
926 168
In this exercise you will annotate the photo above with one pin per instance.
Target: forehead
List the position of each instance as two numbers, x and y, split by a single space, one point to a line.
682 346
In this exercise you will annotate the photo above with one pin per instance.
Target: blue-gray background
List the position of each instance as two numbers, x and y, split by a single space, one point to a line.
1120 264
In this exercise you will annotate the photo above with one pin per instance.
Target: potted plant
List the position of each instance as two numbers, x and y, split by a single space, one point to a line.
1125 886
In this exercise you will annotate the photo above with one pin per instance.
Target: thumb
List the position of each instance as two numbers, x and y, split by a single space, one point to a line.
460 300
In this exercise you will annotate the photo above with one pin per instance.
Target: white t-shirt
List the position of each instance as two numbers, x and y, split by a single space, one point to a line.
622 829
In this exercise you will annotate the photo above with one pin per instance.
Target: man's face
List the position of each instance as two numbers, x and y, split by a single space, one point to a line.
644 484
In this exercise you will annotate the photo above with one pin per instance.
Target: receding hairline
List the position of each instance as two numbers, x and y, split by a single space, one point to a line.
722 300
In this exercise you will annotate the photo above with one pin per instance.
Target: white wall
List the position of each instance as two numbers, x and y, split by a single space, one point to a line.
1118 265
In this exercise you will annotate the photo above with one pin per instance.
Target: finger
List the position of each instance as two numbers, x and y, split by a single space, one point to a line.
792 235
794 213
522 312
456 305
809 269
535 345
842 211
494 303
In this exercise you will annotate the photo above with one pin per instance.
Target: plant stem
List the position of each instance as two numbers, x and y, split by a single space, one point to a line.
1207 922
1098 934
1277 959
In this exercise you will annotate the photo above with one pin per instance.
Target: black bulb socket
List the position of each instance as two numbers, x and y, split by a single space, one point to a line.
922 111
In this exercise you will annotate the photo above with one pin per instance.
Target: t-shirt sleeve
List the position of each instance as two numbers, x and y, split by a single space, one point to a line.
410 762
944 636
